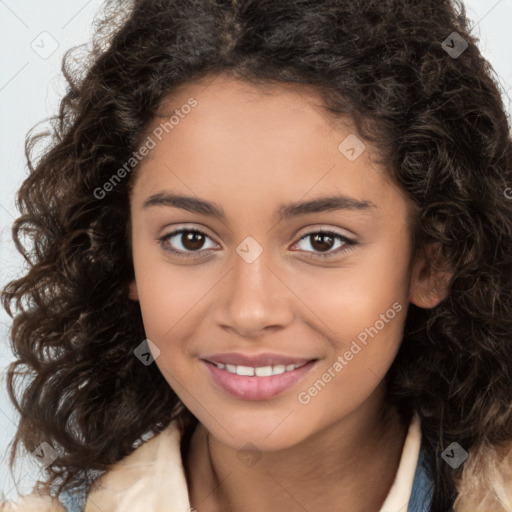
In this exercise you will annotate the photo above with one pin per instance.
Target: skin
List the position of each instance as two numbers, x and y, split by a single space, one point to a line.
250 150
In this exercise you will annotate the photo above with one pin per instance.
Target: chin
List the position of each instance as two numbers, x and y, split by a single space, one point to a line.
265 435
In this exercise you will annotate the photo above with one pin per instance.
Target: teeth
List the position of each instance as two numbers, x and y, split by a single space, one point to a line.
280 368
263 371
260 371
245 370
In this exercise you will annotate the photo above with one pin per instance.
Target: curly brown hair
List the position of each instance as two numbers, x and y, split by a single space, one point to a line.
440 123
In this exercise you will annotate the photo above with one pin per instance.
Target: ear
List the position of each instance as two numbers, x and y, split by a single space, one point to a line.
133 294
429 280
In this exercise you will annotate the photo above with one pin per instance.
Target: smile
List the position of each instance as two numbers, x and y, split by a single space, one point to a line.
256 382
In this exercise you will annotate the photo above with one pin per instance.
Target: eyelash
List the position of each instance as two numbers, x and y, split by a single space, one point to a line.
349 243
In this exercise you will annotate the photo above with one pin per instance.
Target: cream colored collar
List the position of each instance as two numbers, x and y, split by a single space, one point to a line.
152 478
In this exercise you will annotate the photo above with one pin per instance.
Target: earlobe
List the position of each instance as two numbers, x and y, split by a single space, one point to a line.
133 294
428 285
426 298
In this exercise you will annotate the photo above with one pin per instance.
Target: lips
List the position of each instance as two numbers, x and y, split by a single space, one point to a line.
256 377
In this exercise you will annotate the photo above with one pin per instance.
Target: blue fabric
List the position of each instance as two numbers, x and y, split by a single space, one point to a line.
74 502
422 487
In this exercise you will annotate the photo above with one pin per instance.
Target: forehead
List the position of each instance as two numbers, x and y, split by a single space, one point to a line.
242 140
242 109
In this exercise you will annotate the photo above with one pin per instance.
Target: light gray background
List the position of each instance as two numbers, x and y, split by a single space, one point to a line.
30 87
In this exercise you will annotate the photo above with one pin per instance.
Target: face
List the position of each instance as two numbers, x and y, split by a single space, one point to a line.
255 280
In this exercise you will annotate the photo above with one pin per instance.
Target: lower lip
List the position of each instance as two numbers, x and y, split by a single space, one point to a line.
256 388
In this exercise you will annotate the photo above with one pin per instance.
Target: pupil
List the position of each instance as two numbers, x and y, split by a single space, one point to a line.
193 240
323 246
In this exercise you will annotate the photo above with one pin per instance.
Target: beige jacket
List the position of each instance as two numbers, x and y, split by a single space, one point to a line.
149 476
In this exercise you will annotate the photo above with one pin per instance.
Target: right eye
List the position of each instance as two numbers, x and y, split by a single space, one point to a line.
191 241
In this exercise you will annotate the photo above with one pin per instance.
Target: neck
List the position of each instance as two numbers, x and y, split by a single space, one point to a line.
311 475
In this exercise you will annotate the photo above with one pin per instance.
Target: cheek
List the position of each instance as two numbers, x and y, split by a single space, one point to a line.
363 351
163 293
170 297
360 309
348 299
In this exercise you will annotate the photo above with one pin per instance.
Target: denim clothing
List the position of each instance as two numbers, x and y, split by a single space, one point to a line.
74 502
422 488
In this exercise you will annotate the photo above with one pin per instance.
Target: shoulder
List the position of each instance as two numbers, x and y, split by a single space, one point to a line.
33 503
153 468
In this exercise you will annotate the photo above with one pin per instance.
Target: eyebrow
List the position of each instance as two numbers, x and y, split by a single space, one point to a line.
285 211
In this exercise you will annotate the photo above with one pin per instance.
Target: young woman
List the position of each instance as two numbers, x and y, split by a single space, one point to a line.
271 265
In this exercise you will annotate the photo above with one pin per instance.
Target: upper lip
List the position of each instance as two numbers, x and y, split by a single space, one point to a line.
267 359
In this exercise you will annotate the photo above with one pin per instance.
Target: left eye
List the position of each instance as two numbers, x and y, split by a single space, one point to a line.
192 241
325 239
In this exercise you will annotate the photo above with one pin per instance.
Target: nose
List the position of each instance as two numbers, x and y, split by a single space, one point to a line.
254 296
